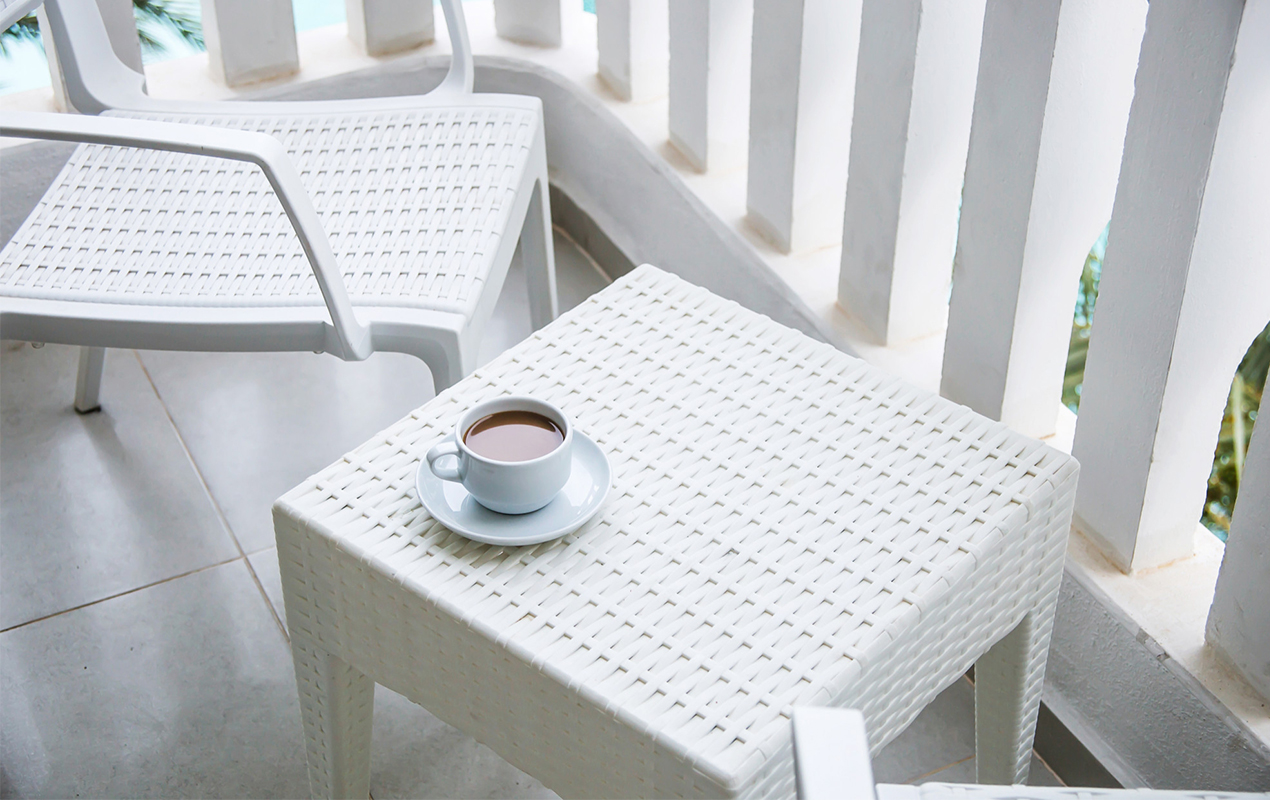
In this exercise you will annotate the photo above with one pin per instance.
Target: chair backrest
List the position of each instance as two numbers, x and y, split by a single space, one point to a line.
462 73
95 77
97 80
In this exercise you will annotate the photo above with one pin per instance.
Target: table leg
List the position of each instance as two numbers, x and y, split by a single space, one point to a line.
88 384
1008 682
337 703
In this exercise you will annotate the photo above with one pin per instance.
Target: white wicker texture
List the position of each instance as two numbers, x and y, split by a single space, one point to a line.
787 526
414 202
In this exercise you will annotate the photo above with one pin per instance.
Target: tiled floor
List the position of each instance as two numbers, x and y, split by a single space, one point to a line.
142 649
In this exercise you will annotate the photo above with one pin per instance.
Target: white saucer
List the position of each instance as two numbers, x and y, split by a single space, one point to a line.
577 502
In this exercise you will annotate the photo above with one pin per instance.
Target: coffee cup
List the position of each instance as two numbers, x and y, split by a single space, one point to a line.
512 454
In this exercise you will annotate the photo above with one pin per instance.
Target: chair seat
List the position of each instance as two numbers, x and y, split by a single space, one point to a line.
415 202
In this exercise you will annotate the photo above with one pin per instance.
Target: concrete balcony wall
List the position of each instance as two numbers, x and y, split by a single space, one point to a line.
641 198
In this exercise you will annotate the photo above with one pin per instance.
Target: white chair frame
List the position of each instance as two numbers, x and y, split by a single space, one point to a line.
97 82
831 758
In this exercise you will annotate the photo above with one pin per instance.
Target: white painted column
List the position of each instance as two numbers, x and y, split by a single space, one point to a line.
121 27
380 27
528 21
1055 86
710 80
802 84
1185 285
250 40
1239 620
915 89
634 47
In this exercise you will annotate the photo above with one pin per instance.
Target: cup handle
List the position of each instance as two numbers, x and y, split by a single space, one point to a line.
446 473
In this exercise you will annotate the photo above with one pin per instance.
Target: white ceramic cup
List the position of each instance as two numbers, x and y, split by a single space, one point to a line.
508 487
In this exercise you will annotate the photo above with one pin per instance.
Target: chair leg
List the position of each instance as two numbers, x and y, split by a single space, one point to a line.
88 383
450 366
1008 682
538 256
337 704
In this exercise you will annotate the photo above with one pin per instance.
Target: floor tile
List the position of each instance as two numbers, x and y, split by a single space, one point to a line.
960 772
184 689
964 772
95 504
414 754
1041 775
577 278
943 733
27 171
265 564
257 424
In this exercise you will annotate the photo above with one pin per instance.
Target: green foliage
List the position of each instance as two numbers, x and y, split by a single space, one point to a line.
155 18
1082 322
1241 407
1236 430
24 30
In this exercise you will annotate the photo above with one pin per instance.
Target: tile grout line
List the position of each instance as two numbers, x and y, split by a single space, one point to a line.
1057 777
590 259
939 769
960 761
124 593
207 490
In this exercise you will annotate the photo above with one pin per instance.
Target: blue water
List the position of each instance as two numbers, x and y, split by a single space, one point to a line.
310 14
24 66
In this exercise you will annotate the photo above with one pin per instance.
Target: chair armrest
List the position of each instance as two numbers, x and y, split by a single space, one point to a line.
831 755
260 149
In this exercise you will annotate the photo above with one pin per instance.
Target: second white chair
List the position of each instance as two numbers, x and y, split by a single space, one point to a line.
204 226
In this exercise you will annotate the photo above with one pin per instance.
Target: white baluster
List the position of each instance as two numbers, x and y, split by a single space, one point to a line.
801 90
915 89
710 80
381 27
1054 89
1239 620
121 27
1185 287
528 21
634 48
250 40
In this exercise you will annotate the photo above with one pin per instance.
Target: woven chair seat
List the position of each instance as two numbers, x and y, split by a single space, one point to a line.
414 202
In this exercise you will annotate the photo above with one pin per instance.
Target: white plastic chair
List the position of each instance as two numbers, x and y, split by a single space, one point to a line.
344 226
831 757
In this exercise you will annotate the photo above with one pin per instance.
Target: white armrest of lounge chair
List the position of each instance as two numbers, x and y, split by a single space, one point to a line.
832 754
257 148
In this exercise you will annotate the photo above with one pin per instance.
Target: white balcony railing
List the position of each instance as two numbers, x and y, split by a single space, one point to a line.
996 135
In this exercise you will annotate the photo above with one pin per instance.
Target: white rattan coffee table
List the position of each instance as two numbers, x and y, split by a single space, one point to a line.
787 526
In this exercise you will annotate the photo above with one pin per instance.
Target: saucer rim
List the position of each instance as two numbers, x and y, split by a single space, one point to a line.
555 533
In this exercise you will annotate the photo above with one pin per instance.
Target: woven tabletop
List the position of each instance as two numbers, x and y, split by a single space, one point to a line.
414 202
787 525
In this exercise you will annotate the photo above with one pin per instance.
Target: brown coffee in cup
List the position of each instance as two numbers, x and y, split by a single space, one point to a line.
513 436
